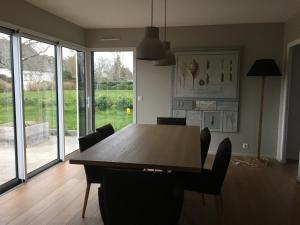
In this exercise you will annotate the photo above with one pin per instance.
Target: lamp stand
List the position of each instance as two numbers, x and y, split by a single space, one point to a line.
262 94
258 162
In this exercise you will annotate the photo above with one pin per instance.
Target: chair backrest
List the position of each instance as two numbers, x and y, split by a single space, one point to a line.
222 160
171 121
89 140
106 130
139 197
205 138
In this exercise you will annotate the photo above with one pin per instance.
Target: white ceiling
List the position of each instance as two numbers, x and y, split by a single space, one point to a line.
93 14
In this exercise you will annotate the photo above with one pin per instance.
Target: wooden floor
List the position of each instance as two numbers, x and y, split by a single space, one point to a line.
254 196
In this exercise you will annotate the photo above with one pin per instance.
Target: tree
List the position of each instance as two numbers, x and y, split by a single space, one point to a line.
101 69
118 71
69 67
5 59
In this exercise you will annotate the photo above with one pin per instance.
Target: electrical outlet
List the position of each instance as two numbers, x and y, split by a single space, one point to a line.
245 146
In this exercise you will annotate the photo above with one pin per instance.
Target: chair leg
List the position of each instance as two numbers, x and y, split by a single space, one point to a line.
221 202
86 197
203 199
219 207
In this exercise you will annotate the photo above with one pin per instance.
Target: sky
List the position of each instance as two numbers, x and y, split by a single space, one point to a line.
126 57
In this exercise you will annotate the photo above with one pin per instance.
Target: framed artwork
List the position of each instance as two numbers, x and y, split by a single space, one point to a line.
206 88
179 113
207 74
213 120
230 121
194 118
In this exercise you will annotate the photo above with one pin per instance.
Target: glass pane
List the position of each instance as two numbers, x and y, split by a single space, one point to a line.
113 88
40 106
70 82
7 130
81 93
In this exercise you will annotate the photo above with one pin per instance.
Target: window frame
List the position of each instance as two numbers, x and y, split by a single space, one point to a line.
91 83
16 32
16 180
58 129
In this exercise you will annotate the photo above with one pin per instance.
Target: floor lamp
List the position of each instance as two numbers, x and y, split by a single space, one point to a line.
263 68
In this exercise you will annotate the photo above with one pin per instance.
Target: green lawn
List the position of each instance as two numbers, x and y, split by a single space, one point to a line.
41 106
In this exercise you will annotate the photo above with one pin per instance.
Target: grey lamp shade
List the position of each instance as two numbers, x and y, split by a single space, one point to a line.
169 59
264 67
151 48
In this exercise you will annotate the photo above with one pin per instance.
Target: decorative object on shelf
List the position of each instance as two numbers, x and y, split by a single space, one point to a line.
218 79
194 118
183 75
207 71
223 114
151 48
201 82
230 119
193 68
263 68
213 120
205 88
222 74
230 69
206 105
169 59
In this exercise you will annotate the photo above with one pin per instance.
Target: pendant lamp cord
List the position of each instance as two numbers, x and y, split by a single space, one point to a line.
165 20
151 13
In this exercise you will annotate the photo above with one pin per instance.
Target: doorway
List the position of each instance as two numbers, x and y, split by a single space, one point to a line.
293 140
288 140
113 88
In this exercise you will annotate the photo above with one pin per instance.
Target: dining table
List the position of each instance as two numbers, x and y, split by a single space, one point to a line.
147 146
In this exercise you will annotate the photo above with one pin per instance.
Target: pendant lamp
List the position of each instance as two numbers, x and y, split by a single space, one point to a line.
169 59
151 48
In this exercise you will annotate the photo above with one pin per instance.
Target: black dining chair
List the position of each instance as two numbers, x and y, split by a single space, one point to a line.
205 138
106 130
171 121
93 173
131 197
210 181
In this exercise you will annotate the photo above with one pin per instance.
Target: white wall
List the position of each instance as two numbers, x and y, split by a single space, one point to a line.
256 40
23 14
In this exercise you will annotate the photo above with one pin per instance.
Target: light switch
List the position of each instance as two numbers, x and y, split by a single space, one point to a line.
140 98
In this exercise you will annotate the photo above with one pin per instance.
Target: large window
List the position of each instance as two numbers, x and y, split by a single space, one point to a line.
7 123
40 103
113 83
74 98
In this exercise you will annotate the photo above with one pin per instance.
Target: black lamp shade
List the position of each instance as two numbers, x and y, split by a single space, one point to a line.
264 67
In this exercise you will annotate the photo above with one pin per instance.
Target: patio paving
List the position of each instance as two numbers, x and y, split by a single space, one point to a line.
37 156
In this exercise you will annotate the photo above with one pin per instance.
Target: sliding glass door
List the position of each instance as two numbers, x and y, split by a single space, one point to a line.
74 98
113 83
7 121
40 102
36 132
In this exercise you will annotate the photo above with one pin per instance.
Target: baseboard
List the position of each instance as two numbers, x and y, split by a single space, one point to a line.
251 155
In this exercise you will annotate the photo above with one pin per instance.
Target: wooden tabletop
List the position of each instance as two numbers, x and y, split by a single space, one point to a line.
166 147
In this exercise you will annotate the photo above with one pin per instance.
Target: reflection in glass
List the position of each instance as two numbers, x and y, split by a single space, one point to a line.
74 98
70 99
7 130
40 105
113 88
